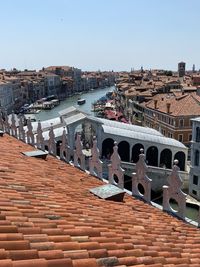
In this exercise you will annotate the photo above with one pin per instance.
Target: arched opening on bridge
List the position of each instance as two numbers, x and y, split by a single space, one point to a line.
166 158
152 156
136 152
124 150
180 156
58 144
87 131
107 148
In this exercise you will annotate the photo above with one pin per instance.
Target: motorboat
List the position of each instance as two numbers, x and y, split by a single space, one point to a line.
81 101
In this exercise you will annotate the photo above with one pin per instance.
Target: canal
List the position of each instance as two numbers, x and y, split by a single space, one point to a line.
90 97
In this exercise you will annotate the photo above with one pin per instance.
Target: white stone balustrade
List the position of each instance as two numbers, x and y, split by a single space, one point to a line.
79 157
1 122
95 164
13 127
29 133
64 147
6 124
22 134
173 192
115 171
141 179
39 138
52 142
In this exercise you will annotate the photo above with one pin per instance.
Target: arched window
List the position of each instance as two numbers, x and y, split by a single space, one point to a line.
124 150
196 158
197 134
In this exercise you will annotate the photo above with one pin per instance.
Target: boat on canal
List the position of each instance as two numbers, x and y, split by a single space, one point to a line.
81 101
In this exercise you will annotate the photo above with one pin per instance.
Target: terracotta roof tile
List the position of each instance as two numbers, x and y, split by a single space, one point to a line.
53 220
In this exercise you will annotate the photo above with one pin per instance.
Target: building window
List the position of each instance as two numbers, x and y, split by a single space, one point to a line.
195 179
189 137
194 192
181 123
197 134
196 158
180 138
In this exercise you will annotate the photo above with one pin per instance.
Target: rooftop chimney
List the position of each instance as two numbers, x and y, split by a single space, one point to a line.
155 103
168 107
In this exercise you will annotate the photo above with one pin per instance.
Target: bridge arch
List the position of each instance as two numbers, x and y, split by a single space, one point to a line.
152 156
124 151
166 158
136 152
180 156
107 147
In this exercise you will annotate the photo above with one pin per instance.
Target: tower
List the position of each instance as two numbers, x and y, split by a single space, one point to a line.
181 69
193 68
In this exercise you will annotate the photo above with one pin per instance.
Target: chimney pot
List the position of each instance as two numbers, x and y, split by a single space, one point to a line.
155 103
168 107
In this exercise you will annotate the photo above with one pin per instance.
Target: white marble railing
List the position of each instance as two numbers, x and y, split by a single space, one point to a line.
140 179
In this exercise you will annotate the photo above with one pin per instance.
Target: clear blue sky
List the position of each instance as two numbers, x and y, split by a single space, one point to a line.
99 34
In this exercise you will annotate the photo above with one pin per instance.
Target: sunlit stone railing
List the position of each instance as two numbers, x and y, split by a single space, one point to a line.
173 192
115 171
140 179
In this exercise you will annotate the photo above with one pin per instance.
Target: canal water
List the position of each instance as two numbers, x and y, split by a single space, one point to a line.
90 98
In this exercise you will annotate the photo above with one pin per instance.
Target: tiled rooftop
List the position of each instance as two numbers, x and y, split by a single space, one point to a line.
48 218
182 105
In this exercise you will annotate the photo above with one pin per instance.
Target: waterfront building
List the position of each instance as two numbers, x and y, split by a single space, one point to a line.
6 96
67 71
52 84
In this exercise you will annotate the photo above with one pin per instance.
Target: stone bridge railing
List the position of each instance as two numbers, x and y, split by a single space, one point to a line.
157 174
141 183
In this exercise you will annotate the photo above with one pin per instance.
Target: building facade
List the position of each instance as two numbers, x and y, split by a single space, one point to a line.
194 182
6 96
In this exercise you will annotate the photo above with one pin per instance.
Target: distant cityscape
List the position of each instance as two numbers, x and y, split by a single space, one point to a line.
25 87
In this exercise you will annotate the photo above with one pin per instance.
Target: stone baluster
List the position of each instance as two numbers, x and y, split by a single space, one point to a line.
173 192
1 121
79 157
95 164
64 148
6 124
29 134
51 142
13 126
115 172
22 135
141 179
39 137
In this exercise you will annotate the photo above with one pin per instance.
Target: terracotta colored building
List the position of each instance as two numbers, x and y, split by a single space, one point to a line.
171 114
